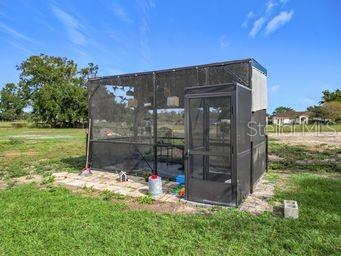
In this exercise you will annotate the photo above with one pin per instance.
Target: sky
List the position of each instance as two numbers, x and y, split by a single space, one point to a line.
297 41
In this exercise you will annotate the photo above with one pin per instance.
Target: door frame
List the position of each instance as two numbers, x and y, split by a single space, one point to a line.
188 97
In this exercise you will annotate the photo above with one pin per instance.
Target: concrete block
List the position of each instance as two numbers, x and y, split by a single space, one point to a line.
290 209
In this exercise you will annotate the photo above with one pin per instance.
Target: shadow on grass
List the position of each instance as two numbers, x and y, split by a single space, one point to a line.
74 163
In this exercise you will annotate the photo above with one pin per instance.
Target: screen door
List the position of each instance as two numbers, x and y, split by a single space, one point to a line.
209 148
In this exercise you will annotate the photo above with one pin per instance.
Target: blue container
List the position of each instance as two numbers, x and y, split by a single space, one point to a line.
155 186
180 179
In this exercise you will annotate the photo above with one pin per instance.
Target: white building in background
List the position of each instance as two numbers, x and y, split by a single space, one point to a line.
290 118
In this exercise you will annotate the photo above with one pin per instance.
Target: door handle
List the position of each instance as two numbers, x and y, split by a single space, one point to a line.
186 154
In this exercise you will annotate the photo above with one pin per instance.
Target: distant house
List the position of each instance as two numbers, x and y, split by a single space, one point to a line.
290 118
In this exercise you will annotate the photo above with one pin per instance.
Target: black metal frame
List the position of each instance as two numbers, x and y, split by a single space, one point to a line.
188 97
203 83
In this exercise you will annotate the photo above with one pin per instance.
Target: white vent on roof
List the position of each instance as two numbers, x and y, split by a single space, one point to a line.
259 90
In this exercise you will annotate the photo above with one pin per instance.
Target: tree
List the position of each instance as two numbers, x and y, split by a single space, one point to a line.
12 102
331 96
332 110
282 110
55 89
316 112
329 108
88 72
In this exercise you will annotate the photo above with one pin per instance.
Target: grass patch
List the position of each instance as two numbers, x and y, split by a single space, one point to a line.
148 199
106 195
89 190
55 221
303 158
25 151
15 141
48 180
76 225
319 200
271 176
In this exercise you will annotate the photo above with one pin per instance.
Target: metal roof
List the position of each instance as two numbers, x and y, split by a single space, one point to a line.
253 62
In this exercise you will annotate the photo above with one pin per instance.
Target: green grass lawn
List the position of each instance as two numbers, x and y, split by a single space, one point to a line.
55 221
38 150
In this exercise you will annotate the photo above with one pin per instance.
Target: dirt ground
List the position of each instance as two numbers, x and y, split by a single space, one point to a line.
308 138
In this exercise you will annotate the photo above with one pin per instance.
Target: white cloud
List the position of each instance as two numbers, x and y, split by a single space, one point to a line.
274 88
122 14
249 16
144 28
81 53
39 15
21 47
270 5
12 32
114 35
284 2
223 42
73 27
77 37
257 26
278 21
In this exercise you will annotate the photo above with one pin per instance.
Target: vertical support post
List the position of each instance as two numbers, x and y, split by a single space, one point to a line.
154 125
89 134
266 153
251 169
205 134
88 145
234 135
185 153
206 76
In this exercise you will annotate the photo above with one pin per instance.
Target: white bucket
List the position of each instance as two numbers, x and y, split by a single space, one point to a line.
155 186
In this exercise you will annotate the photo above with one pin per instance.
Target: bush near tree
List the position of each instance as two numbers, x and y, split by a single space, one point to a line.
282 110
12 103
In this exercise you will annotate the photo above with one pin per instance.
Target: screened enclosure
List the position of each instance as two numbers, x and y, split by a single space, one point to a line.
198 121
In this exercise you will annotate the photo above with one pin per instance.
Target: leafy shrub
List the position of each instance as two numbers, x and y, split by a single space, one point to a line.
90 189
118 196
11 183
106 195
15 141
19 125
48 180
148 199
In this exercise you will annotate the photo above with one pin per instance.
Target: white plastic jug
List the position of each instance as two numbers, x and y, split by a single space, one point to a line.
155 185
